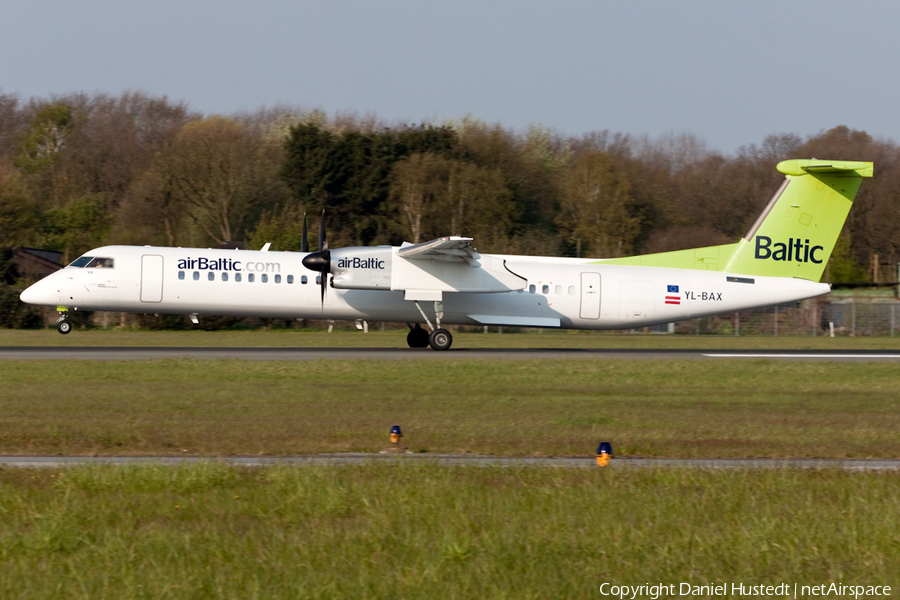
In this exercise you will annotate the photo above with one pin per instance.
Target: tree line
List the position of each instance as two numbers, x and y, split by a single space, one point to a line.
83 170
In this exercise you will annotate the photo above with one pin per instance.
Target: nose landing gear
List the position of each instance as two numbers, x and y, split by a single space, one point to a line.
63 325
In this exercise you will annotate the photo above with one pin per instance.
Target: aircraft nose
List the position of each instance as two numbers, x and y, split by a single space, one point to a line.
37 293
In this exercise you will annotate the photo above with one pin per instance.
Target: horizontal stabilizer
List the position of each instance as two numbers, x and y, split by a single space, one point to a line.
804 166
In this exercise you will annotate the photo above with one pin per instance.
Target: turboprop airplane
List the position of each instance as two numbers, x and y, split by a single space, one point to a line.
446 281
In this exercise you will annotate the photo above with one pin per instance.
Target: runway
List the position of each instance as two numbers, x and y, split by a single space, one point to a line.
299 354
56 462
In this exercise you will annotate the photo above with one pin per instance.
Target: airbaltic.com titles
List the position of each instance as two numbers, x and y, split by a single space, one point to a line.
784 590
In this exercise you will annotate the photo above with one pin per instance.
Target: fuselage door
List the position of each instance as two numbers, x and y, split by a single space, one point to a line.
590 295
151 278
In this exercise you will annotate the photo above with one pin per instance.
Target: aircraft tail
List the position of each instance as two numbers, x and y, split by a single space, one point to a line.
795 233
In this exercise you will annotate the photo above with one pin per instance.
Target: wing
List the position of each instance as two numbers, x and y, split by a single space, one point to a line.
450 249
450 264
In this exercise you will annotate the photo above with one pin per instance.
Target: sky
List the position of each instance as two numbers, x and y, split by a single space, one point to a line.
730 73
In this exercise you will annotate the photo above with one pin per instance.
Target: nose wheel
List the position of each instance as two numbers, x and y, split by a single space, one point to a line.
63 325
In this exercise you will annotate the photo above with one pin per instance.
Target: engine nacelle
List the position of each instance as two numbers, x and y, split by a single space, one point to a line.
361 268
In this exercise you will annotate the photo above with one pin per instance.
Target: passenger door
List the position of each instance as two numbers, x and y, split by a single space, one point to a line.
151 278
590 296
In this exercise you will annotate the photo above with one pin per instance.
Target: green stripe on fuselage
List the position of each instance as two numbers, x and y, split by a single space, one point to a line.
710 258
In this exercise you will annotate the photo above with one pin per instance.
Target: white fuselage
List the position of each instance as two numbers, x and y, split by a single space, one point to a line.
559 292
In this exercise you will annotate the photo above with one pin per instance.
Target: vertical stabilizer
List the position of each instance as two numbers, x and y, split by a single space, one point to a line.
797 230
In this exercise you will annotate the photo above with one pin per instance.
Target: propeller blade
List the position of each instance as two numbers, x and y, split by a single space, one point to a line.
304 239
319 261
323 250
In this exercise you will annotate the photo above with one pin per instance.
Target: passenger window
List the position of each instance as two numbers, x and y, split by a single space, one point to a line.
290 279
545 290
318 280
559 290
303 279
264 278
237 276
211 276
531 289
278 279
196 275
571 290
180 274
224 276
251 277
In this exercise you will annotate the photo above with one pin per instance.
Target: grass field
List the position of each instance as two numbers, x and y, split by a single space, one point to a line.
209 530
701 409
397 339
425 531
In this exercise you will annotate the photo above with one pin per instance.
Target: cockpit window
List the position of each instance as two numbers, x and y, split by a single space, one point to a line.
101 263
80 262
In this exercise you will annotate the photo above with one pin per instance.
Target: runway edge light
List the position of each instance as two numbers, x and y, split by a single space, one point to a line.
604 453
394 446
396 434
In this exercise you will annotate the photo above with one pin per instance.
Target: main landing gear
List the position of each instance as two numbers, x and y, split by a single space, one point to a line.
63 325
439 339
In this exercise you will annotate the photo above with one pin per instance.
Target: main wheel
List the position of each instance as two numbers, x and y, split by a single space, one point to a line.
417 337
64 327
440 339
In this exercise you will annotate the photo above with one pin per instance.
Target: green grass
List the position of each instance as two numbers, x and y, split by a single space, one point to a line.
426 531
397 339
699 409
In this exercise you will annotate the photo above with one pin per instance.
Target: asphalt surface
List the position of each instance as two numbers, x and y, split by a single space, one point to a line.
151 352
456 460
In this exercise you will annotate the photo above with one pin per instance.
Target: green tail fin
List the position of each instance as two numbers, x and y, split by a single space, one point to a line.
797 230
794 234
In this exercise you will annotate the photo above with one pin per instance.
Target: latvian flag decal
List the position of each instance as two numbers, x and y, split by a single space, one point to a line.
672 296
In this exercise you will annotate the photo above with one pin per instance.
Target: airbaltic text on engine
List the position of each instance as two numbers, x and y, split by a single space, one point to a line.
360 263
226 264
786 252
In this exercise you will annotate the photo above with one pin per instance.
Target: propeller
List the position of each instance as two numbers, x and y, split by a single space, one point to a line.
320 261
304 240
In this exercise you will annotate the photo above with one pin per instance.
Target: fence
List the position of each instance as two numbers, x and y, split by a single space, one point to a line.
847 316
